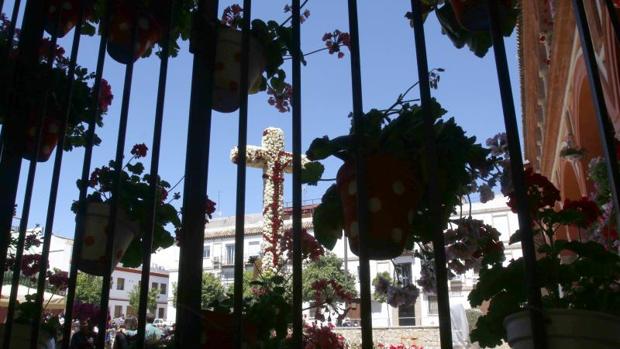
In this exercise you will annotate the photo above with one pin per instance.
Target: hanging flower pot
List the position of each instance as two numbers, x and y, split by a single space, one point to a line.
227 78
219 331
147 33
95 227
473 15
566 329
393 195
69 15
49 137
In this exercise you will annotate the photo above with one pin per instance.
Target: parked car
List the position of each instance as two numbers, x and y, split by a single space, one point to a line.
160 323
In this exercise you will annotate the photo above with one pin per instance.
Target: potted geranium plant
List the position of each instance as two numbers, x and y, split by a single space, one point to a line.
136 26
270 44
466 22
581 298
134 204
29 86
393 147
62 15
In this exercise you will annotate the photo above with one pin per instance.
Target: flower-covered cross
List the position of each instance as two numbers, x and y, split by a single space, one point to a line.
274 161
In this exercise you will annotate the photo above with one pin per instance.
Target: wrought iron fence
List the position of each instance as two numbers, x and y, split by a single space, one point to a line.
203 47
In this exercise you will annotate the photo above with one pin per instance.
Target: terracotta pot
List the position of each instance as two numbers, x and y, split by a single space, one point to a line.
566 329
148 32
95 234
473 14
49 137
228 69
393 195
219 331
69 15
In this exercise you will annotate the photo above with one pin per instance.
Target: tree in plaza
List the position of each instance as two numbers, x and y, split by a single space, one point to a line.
151 303
88 288
212 290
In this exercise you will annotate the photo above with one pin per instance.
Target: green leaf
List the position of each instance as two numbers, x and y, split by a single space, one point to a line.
516 237
312 172
327 218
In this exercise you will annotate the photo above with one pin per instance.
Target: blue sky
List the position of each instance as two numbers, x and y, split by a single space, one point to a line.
468 90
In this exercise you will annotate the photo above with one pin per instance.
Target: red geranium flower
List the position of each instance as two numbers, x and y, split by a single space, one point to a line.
541 192
587 209
139 150
105 96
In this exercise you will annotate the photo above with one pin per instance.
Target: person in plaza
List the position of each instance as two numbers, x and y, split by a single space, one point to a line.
152 334
85 337
126 334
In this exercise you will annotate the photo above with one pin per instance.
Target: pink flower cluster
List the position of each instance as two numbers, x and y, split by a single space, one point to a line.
281 99
336 39
304 15
398 346
310 247
232 16
322 337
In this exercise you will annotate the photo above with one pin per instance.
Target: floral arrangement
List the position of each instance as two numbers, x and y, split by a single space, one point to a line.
570 151
134 199
322 337
394 295
603 230
393 144
81 108
275 40
466 22
589 281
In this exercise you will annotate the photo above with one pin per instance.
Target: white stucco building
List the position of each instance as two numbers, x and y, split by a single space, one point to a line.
218 259
123 279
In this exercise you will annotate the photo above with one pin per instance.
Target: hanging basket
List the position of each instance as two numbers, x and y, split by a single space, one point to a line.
566 329
393 195
95 235
227 79
50 133
148 32
69 15
473 15
219 331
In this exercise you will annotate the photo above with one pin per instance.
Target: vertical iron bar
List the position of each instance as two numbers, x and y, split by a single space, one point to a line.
88 155
518 180
439 252
32 171
613 17
51 206
360 171
296 104
147 241
114 201
606 129
203 46
10 35
241 174
10 162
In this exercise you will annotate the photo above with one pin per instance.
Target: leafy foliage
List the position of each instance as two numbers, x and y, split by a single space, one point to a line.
327 267
88 288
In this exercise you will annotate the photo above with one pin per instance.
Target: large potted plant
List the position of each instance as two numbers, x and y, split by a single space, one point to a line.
392 145
270 45
466 22
579 279
134 203
28 92
62 15
136 26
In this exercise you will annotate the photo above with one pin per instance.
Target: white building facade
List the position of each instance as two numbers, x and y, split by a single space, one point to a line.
219 247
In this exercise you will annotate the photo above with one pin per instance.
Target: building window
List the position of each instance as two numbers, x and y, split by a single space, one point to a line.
432 305
230 254
254 243
120 284
118 310
160 313
154 285
206 251
162 288
404 270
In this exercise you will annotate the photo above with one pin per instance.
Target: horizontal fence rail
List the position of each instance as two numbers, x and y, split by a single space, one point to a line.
205 28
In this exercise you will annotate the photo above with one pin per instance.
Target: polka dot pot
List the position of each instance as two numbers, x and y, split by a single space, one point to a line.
393 194
147 33
95 234
228 69
49 137
69 12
